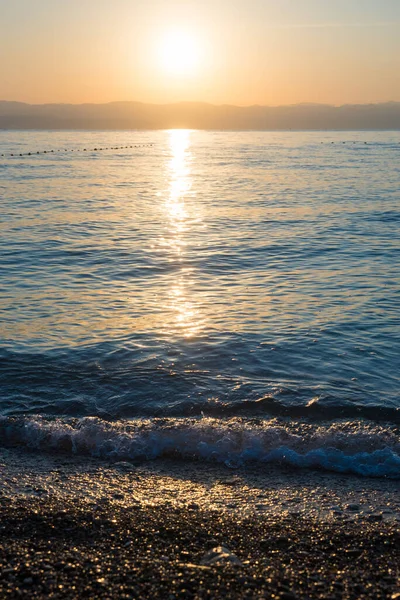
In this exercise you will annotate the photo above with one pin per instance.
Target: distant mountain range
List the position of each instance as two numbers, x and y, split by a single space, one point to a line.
195 115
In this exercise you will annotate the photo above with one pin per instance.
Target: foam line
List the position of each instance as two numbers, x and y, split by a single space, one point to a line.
362 448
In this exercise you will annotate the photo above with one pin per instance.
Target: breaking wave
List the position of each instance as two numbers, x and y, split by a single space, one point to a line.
356 447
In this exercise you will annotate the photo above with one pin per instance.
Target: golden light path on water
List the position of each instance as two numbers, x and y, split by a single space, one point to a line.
180 186
246 265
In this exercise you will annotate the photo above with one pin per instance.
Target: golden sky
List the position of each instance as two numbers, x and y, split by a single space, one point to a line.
221 51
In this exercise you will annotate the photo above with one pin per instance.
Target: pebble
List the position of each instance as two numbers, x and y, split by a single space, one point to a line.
282 540
353 552
220 556
124 466
231 481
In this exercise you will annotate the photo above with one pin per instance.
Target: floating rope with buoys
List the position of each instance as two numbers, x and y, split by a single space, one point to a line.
16 154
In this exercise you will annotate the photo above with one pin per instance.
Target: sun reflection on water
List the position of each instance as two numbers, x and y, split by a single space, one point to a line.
180 187
180 179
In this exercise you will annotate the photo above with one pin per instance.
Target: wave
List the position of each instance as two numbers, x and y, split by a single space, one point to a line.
324 407
360 448
150 377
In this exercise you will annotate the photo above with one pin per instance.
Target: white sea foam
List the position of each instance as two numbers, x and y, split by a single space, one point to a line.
354 447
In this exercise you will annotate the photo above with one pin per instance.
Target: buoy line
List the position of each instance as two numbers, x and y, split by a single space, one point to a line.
16 154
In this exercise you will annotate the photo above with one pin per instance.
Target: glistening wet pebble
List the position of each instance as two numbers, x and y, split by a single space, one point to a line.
57 549
73 527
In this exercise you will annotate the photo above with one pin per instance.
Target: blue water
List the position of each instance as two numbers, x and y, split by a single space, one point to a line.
233 276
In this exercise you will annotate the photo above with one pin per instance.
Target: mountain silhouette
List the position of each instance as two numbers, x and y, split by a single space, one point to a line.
196 115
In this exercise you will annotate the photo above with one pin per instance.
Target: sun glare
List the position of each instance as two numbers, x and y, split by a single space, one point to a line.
179 53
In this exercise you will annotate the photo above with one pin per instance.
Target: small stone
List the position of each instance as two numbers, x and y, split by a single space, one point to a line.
231 481
193 566
220 556
375 518
353 552
124 466
282 541
353 507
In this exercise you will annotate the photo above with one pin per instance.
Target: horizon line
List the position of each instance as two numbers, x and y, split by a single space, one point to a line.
293 104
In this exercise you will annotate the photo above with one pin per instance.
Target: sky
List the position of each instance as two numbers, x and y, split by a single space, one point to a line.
242 52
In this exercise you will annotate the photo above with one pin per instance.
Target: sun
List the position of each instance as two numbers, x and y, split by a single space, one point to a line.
179 53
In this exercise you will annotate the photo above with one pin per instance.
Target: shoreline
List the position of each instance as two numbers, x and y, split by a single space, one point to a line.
77 527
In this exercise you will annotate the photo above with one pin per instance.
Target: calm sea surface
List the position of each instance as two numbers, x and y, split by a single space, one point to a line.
200 275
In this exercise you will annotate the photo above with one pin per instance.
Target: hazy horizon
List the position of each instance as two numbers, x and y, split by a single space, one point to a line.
200 102
199 115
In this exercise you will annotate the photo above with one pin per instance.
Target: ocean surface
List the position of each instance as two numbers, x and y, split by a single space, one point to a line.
231 297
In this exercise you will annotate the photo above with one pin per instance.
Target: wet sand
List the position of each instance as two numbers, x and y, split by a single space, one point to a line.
75 528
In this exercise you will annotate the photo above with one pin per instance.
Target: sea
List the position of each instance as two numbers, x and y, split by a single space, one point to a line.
231 297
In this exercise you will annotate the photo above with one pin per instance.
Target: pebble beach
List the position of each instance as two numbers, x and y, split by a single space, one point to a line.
79 528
